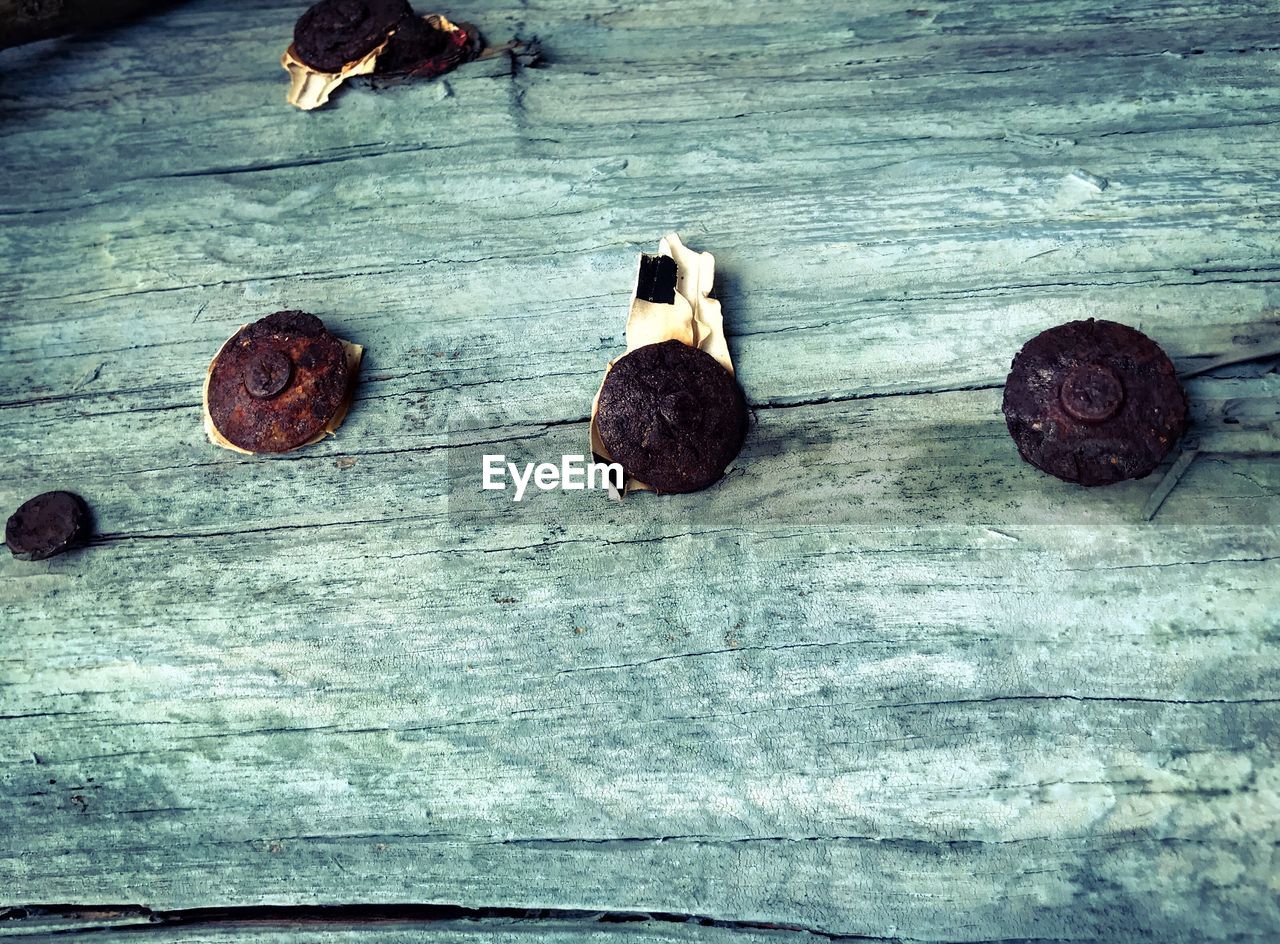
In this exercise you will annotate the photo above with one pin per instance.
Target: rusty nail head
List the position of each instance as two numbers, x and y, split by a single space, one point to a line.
1094 402
266 373
1091 392
278 382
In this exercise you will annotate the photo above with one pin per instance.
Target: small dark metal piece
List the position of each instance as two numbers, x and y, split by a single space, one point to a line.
1094 402
278 382
267 373
46 525
656 281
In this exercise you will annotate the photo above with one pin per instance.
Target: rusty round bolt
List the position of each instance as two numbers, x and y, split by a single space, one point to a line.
266 373
278 382
46 525
1094 402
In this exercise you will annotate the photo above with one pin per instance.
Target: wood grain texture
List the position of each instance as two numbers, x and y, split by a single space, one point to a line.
883 682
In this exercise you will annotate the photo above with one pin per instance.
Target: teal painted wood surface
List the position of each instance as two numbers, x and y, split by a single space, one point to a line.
882 682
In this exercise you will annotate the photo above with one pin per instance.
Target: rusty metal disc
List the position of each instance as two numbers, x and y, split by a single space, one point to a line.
672 416
278 382
46 525
1094 402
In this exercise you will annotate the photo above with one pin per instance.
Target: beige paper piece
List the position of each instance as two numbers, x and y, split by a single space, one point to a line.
355 354
310 89
694 319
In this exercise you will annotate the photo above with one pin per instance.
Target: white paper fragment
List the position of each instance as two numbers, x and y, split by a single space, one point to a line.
310 89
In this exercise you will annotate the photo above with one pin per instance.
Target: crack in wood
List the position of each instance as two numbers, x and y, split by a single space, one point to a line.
139 918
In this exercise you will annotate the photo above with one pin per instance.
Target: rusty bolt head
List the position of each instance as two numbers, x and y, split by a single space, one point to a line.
278 382
266 373
1091 392
1094 402
46 525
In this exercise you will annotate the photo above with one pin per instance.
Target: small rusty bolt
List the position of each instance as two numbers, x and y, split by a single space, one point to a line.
1094 402
267 373
1091 392
278 382
46 525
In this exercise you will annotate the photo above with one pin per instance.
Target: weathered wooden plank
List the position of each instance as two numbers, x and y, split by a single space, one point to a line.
933 705
885 681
